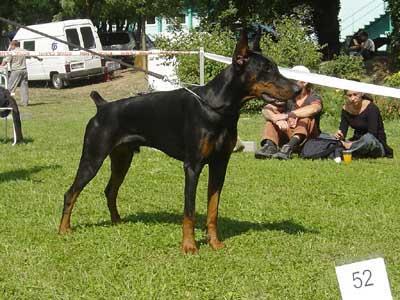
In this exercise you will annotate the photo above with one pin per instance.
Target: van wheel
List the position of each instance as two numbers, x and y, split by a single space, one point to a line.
57 81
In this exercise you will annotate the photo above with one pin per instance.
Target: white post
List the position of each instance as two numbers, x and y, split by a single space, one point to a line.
201 56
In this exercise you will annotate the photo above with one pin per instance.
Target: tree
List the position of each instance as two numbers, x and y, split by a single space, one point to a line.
88 9
326 24
229 12
394 10
7 10
28 12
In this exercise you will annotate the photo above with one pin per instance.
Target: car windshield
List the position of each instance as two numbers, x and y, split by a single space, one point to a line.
114 38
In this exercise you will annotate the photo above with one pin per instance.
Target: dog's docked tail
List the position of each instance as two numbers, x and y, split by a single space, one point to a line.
98 100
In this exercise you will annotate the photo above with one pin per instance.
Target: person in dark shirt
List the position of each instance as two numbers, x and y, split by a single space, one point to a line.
290 124
361 114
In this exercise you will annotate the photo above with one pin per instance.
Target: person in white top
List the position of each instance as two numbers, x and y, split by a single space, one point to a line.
363 46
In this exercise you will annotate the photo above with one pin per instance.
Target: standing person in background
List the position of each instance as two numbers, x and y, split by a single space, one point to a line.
18 75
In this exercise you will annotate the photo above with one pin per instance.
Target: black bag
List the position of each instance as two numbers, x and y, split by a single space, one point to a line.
4 102
322 147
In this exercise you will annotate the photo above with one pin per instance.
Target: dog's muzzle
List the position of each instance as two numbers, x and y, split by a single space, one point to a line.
271 100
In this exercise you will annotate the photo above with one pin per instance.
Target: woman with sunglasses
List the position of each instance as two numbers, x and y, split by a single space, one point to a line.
369 139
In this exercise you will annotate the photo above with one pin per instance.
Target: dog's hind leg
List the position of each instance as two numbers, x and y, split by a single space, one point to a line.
121 158
92 158
216 178
87 170
192 173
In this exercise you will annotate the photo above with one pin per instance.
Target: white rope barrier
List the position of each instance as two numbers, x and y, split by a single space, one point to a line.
339 83
328 81
103 52
218 58
314 78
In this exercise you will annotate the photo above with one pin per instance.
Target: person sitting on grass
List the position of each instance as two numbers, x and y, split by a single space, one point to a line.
290 124
369 139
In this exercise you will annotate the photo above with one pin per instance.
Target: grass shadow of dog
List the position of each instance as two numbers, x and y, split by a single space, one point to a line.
228 227
24 174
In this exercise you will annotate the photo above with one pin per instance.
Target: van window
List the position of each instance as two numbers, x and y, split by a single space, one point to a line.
29 45
114 38
72 37
88 38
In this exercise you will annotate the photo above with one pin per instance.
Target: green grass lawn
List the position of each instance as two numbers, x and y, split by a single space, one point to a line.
285 224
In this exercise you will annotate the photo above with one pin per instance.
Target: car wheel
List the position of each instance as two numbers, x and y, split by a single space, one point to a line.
57 81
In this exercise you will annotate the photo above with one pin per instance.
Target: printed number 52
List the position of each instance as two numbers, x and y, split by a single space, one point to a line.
358 280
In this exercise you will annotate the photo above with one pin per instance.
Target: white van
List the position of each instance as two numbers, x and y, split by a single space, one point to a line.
62 69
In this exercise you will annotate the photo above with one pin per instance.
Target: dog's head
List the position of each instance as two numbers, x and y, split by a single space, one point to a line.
260 74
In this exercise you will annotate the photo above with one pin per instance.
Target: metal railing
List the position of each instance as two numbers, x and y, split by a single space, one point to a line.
362 17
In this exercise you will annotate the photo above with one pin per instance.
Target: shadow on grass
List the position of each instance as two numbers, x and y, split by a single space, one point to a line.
227 227
11 140
43 103
24 174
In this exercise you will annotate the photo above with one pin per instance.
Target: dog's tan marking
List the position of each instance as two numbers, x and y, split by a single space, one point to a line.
206 147
270 88
188 241
65 224
212 217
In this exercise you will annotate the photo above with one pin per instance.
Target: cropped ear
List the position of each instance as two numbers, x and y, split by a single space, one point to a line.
257 38
240 56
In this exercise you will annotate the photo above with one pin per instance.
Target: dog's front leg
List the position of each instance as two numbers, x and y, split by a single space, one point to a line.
216 178
192 172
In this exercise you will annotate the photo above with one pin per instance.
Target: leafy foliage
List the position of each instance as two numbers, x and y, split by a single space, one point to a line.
393 80
390 108
228 12
344 66
294 45
28 12
333 101
394 10
187 67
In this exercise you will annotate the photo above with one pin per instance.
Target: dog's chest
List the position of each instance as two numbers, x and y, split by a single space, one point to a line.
210 144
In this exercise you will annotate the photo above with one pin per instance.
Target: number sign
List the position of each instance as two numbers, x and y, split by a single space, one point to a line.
365 280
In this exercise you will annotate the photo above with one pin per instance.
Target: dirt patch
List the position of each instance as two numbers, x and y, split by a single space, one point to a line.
125 83
49 103
377 68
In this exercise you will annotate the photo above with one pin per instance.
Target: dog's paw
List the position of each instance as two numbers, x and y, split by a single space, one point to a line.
64 230
189 247
116 220
216 244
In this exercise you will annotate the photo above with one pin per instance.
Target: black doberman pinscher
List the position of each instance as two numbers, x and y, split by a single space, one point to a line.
196 130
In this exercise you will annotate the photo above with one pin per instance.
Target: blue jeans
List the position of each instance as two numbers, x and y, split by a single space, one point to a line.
367 146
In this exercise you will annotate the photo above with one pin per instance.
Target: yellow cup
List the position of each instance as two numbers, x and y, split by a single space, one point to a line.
347 156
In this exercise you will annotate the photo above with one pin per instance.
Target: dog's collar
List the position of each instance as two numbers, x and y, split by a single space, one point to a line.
219 110
194 94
